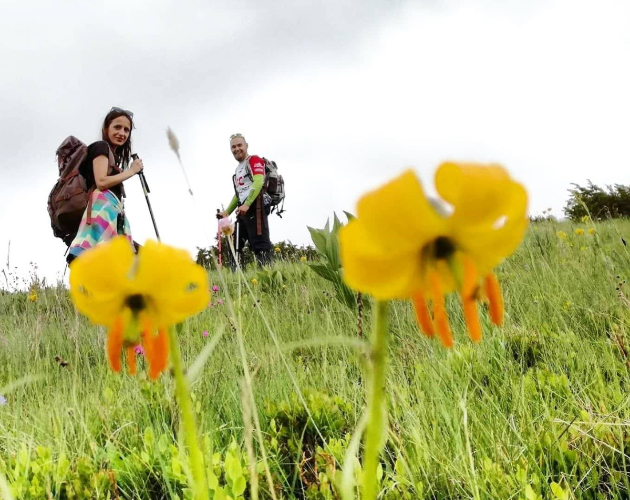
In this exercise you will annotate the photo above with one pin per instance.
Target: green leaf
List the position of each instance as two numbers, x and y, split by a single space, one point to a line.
325 272
345 295
108 395
213 480
530 494
558 492
233 467
319 239
148 437
238 488
332 251
5 489
336 224
196 368
349 216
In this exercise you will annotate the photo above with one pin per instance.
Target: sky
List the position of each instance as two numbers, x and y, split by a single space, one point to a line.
343 95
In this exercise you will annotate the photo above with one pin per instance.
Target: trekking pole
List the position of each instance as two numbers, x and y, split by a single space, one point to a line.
219 238
145 188
238 241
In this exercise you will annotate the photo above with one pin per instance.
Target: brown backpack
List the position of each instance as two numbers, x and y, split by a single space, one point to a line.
71 196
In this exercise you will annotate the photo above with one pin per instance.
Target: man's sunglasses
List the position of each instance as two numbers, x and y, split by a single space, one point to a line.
120 110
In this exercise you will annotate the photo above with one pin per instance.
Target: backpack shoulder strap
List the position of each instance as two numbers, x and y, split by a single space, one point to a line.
113 167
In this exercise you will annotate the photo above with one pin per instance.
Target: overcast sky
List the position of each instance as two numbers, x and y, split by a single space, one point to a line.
343 95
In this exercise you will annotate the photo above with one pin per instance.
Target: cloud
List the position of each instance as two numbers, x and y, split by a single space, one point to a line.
342 97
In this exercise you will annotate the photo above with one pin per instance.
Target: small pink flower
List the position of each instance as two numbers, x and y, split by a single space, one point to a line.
205 333
226 227
219 302
210 304
139 350
215 288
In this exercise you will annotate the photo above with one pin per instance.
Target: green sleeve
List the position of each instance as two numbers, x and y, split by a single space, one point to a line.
232 205
258 184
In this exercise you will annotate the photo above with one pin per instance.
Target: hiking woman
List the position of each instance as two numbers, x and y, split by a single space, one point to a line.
105 169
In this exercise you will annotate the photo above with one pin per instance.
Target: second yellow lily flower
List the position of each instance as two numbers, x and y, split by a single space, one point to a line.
401 246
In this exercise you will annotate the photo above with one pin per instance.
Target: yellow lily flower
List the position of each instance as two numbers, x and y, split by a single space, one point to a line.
402 246
134 296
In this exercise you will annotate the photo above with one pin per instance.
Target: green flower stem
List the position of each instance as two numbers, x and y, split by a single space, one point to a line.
200 486
376 403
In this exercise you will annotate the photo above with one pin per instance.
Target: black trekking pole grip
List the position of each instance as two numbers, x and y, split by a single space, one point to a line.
145 188
143 179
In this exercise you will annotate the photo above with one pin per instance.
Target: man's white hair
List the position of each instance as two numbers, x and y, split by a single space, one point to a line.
236 136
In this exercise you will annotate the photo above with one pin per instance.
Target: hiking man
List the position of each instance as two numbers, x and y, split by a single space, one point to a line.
251 214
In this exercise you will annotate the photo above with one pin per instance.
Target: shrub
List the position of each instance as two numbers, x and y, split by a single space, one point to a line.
594 201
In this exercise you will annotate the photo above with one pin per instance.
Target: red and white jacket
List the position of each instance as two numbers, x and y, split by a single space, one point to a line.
243 178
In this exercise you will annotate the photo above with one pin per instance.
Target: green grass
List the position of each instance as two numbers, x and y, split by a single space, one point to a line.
539 409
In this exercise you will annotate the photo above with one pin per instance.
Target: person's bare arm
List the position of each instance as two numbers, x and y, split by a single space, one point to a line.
104 181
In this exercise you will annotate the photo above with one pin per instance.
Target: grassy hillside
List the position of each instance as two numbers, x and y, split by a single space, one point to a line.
539 409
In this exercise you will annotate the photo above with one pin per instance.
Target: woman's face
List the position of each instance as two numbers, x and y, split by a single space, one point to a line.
118 131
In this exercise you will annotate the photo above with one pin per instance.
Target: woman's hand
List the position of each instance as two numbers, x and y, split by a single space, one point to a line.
137 166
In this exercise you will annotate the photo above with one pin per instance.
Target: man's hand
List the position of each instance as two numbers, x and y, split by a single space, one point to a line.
242 210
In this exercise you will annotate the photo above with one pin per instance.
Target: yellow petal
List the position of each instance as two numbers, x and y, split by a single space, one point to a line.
174 286
479 194
99 279
399 215
489 247
487 242
369 268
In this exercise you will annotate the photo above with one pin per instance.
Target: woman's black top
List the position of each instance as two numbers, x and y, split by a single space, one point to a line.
94 150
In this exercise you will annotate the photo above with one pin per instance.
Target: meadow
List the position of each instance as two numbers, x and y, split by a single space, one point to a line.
538 410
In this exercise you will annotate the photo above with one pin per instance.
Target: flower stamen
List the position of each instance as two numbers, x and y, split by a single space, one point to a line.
423 315
471 316
439 311
157 353
114 344
469 303
495 298
131 359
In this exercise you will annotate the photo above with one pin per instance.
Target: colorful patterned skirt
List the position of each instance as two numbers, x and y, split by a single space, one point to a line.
108 221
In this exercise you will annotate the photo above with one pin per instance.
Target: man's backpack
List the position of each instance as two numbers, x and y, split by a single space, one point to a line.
273 187
71 196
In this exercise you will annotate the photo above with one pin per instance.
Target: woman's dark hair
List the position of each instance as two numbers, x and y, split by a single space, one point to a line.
123 153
